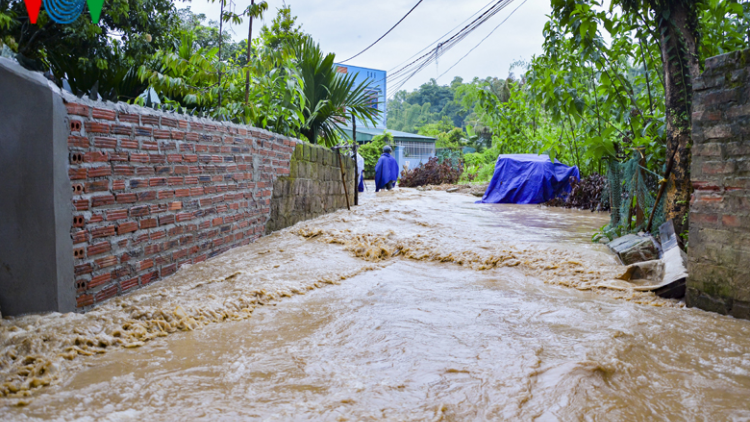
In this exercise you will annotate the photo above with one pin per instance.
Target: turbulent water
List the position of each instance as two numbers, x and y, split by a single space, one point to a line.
414 306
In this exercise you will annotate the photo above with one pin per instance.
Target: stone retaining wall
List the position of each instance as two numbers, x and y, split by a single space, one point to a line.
719 244
313 186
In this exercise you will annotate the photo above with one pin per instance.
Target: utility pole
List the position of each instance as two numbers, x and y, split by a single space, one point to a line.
249 50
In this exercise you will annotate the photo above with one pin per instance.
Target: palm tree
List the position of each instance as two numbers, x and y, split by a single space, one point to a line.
331 98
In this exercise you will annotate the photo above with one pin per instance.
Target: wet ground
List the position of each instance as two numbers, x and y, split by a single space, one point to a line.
414 306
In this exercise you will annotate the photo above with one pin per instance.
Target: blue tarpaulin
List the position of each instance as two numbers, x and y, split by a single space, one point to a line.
528 179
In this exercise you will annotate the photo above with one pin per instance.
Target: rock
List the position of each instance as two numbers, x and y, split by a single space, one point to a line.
452 190
479 190
633 248
645 273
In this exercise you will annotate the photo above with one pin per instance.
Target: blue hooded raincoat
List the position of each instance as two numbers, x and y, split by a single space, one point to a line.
385 171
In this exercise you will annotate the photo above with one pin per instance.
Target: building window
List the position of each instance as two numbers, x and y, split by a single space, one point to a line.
417 149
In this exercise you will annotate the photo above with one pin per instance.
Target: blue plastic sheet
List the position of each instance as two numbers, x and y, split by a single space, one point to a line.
385 171
528 179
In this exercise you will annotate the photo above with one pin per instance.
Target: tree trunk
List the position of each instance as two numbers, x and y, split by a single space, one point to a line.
221 39
249 50
680 57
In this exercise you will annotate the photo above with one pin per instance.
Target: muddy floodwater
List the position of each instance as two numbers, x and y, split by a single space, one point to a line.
415 306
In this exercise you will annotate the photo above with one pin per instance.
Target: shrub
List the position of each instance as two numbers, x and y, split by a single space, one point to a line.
485 173
586 194
473 159
431 173
372 151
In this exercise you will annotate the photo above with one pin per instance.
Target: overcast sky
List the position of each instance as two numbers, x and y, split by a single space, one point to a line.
345 27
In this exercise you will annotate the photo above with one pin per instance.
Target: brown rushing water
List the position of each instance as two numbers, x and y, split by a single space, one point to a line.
438 309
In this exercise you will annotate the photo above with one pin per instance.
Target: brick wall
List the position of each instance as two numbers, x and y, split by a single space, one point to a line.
313 187
719 244
153 191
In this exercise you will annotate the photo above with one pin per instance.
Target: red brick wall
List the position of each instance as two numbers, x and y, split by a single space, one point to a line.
719 246
153 191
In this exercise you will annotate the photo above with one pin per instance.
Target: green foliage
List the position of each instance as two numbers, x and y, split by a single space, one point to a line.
283 30
725 27
592 98
430 104
330 97
92 55
434 110
586 100
372 150
610 233
446 134
293 87
478 173
205 34
474 159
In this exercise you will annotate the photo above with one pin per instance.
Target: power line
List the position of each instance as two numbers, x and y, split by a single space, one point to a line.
443 47
404 74
389 31
483 39
402 68
457 36
442 36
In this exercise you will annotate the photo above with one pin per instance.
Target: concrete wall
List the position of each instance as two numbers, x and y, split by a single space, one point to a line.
103 198
36 269
312 188
719 245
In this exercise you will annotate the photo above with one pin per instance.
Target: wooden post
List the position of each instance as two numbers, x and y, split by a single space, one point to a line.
357 170
343 179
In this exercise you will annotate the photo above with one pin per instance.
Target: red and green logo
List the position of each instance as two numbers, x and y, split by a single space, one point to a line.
64 11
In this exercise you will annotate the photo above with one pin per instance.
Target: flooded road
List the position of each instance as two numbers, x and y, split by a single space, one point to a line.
414 306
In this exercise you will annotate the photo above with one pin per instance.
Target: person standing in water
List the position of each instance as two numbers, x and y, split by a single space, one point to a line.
386 171
361 170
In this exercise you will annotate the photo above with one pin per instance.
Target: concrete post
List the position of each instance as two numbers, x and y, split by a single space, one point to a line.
36 251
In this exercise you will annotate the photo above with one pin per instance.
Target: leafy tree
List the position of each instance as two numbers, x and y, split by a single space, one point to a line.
284 30
330 97
187 77
672 30
447 135
428 104
91 55
253 11
590 99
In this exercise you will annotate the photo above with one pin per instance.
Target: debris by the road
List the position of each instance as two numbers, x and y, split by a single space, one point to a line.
666 276
633 248
675 264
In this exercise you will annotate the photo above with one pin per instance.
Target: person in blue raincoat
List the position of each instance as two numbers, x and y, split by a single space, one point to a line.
361 169
386 171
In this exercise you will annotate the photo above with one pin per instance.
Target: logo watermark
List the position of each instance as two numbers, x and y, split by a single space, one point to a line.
64 11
